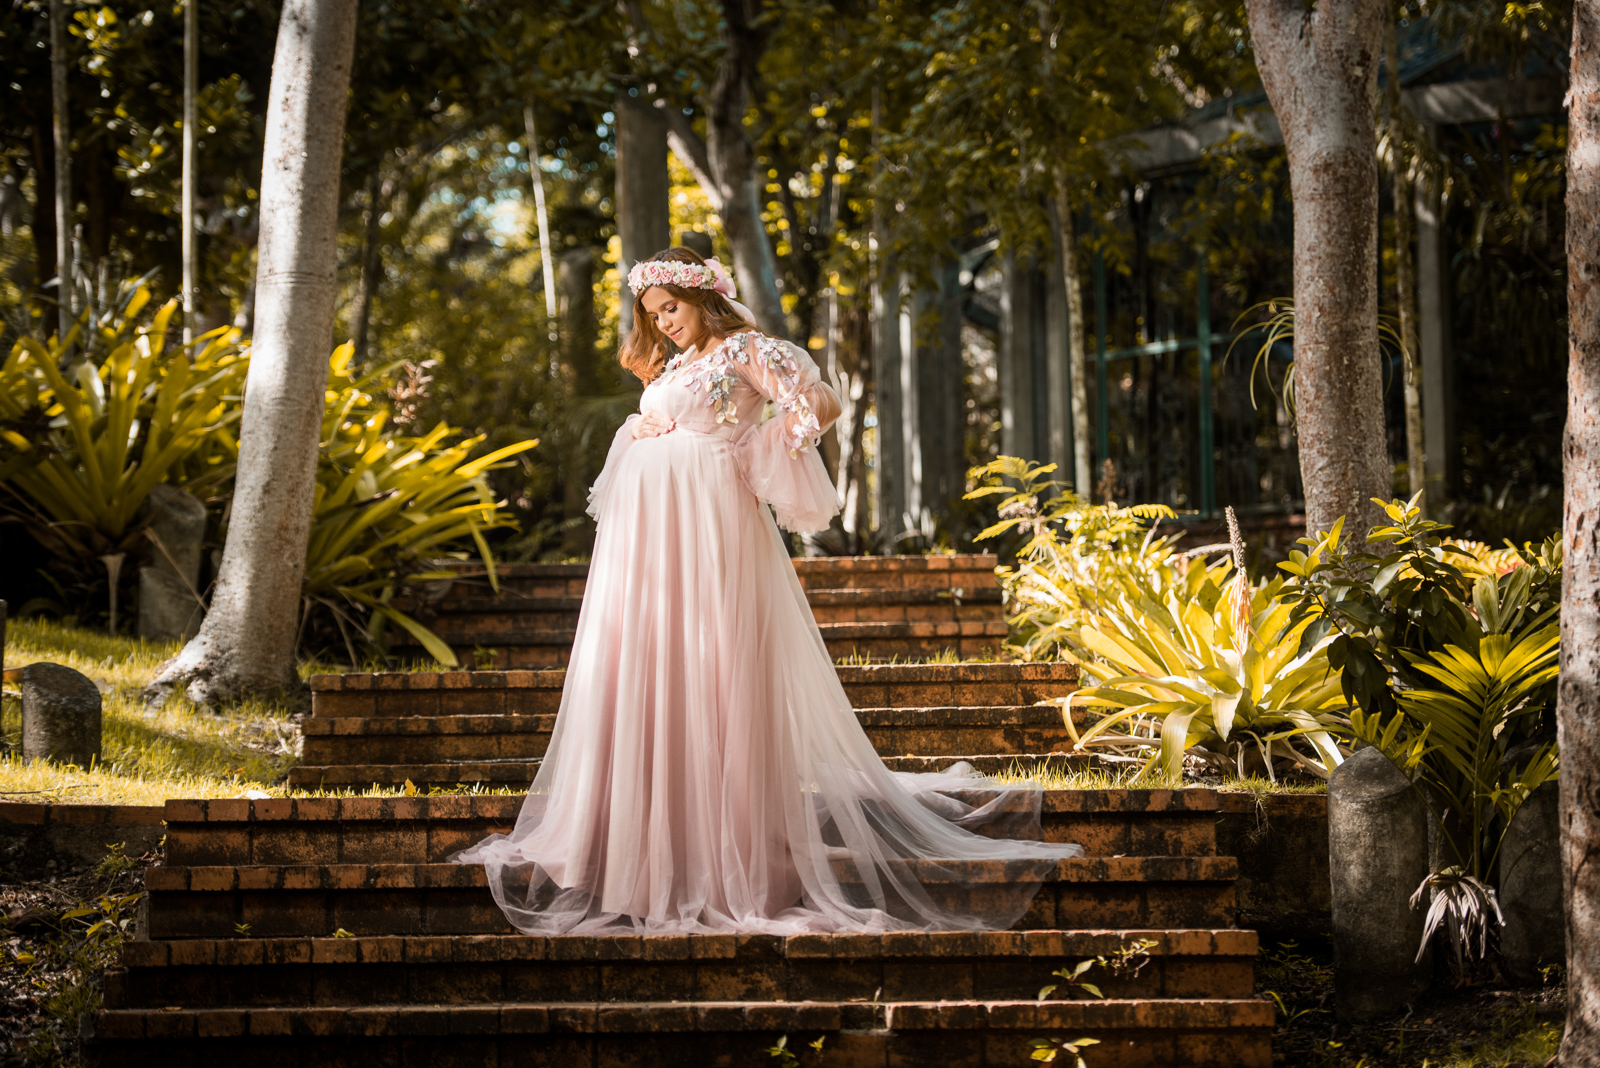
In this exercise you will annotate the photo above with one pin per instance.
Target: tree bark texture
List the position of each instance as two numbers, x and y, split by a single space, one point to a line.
246 644
378 192
61 133
1405 270
1578 703
579 327
739 182
191 91
1320 70
1077 350
644 221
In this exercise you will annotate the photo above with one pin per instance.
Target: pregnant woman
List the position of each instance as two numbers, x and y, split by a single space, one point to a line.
707 772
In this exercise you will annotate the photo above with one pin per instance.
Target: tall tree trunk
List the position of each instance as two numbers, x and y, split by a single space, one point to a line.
1077 352
547 263
1320 70
1405 272
579 327
191 67
246 644
1578 703
740 185
371 263
644 218
853 365
62 136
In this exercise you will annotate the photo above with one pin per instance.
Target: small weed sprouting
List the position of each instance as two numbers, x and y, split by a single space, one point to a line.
116 863
1126 962
1048 1049
786 1057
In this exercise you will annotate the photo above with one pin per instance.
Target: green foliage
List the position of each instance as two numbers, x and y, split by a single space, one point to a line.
78 461
786 1057
1450 653
1185 657
388 509
81 449
1048 1049
1064 548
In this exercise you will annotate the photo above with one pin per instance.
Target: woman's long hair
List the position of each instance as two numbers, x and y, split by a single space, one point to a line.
647 349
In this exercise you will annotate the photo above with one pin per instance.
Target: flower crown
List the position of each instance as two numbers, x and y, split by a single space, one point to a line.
709 275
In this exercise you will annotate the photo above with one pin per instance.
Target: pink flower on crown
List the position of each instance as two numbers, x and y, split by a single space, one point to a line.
710 275
724 280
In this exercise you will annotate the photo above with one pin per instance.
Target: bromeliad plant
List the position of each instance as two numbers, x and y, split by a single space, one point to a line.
82 448
389 510
1064 547
1450 654
1210 665
1187 657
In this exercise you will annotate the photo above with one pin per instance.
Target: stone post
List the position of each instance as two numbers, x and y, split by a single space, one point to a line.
60 715
1378 856
1535 933
169 603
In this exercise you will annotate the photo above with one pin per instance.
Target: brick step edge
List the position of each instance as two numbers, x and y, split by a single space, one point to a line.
505 807
518 772
554 678
653 1017
444 876
514 602
1197 943
939 717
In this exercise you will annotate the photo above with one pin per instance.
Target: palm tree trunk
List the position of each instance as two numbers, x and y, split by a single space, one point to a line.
246 644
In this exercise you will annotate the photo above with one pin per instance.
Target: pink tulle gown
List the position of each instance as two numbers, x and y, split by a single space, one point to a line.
707 772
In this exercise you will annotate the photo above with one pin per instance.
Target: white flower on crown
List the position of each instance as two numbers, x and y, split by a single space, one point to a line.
709 275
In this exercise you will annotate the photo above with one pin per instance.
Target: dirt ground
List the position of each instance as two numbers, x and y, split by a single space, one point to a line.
1482 1021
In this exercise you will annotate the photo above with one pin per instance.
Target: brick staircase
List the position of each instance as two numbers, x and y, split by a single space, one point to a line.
238 957
874 607
332 931
491 727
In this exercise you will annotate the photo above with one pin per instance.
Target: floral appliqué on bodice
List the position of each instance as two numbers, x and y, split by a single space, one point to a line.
714 375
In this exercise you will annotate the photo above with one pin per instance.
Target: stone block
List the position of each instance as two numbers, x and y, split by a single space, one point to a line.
60 715
1377 856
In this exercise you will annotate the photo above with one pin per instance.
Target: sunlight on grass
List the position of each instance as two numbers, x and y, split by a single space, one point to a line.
1059 776
1520 1038
180 750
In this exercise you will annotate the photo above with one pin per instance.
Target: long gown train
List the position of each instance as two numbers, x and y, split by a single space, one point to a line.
707 772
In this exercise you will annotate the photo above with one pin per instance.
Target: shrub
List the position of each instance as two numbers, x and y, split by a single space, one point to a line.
81 450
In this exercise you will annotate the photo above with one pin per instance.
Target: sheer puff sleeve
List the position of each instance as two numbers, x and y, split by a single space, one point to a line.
778 459
619 445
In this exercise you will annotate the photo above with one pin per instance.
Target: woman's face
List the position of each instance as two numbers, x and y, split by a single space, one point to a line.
682 322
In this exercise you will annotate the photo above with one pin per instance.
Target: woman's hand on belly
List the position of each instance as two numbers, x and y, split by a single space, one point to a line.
653 425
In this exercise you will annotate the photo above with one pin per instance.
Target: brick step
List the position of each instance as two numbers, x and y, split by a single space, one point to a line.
315 900
1189 1033
908 966
516 773
536 693
420 830
486 643
429 739
828 606
967 571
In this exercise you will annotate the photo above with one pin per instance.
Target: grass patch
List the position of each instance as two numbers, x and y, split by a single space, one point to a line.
148 755
1058 776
